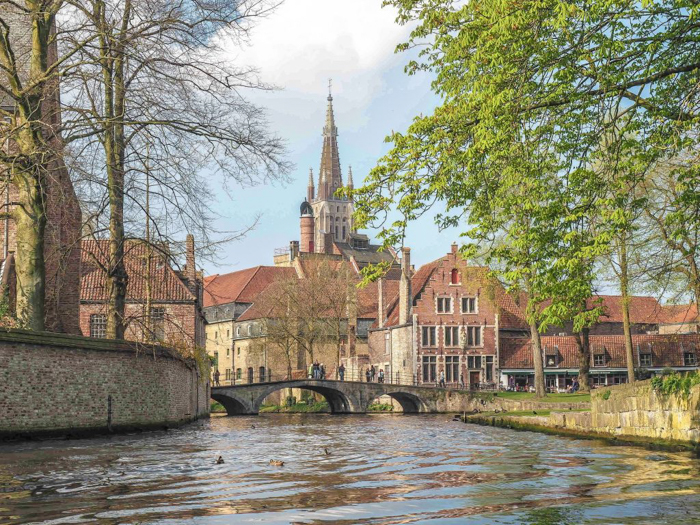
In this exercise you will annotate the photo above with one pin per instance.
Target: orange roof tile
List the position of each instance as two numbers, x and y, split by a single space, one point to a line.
242 286
165 283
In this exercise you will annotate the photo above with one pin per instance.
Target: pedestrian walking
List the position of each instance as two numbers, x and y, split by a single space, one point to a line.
381 375
442 379
315 369
322 371
341 372
217 375
372 373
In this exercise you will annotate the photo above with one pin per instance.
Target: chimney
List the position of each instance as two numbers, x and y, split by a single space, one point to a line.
380 303
405 286
328 243
293 250
454 248
190 268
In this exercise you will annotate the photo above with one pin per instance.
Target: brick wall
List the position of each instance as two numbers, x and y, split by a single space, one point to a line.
52 383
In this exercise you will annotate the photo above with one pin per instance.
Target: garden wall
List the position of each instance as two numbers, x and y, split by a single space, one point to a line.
61 384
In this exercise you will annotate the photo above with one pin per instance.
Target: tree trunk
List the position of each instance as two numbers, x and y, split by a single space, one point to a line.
584 361
30 223
537 360
624 291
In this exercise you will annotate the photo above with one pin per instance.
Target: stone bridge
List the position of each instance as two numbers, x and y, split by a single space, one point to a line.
349 397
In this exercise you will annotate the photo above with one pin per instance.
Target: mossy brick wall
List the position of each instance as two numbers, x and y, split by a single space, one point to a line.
638 410
54 383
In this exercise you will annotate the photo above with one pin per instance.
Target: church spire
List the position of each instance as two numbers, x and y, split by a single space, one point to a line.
330 159
310 187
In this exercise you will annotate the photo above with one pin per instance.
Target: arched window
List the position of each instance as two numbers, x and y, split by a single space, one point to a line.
454 279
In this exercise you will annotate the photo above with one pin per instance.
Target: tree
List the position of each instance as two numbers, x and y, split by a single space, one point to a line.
153 75
29 111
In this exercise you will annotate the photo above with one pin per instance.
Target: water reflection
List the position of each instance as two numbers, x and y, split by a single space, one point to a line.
379 470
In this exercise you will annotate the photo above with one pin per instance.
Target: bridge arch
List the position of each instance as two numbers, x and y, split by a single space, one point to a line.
339 401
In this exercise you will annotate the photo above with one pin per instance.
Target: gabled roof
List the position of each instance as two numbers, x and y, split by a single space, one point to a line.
371 255
643 310
679 313
243 286
418 282
165 283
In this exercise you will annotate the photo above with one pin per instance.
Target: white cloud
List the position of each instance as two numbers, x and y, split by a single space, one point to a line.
304 42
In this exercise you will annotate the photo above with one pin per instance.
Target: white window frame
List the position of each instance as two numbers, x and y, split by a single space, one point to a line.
444 298
476 304
454 342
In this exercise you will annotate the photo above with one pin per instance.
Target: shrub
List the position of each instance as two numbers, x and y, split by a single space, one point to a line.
675 383
606 395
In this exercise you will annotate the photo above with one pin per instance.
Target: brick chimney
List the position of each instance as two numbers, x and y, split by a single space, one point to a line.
380 303
405 286
293 250
190 268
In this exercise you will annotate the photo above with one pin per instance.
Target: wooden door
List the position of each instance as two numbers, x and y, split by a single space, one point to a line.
474 376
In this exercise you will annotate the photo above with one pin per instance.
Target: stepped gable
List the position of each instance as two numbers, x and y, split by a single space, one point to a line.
368 298
166 285
242 286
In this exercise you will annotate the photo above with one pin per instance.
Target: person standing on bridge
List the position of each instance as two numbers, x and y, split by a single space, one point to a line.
381 375
368 375
372 373
341 372
315 369
217 375
442 379
321 371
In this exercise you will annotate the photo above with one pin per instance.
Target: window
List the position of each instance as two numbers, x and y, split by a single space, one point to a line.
158 323
474 361
238 352
98 326
473 335
551 360
489 368
454 276
216 335
261 374
689 359
452 369
228 334
216 360
452 336
239 373
429 363
228 352
444 305
250 329
228 374
645 360
343 232
429 338
599 360
238 331
468 305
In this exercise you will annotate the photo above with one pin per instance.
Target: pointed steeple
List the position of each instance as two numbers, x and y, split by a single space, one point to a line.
310 188
350 184
330 159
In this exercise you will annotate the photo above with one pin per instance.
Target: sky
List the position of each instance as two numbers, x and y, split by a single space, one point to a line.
298 48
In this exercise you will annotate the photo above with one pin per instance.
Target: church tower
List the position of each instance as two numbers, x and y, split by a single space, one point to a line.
332 214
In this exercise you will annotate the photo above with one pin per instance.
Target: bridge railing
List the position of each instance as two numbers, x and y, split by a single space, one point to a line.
361 376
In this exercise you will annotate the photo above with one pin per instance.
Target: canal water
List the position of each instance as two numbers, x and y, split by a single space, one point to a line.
377 470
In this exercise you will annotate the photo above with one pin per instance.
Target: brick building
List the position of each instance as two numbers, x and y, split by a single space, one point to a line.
64 219
448 317
162 304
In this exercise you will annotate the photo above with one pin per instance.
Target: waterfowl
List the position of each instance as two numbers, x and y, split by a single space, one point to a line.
326 451
276 463
220 460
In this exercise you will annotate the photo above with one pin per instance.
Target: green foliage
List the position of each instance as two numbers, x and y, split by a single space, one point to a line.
676 384
380 407
606 395
216 407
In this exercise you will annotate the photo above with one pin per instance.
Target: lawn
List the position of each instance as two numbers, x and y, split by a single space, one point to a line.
549 398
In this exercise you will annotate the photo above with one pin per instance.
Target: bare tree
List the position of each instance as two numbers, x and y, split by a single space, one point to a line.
154 74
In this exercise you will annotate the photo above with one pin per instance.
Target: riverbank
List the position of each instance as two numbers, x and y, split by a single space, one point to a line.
637 414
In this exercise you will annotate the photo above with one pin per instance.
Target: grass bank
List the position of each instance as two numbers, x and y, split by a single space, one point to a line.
297 408
549 398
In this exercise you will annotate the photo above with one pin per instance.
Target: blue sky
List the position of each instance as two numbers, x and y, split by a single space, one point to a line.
298 48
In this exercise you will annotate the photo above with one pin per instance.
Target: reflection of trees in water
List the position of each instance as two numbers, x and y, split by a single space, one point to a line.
554 516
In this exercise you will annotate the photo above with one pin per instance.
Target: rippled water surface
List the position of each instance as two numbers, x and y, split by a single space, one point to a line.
379 470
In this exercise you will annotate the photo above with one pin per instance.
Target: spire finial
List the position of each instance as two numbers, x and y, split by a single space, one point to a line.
311 177
330 83
350 176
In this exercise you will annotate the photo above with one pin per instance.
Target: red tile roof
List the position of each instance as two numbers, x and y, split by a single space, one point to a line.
165 283
666 350
418 282
643 309
242 286
680 313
